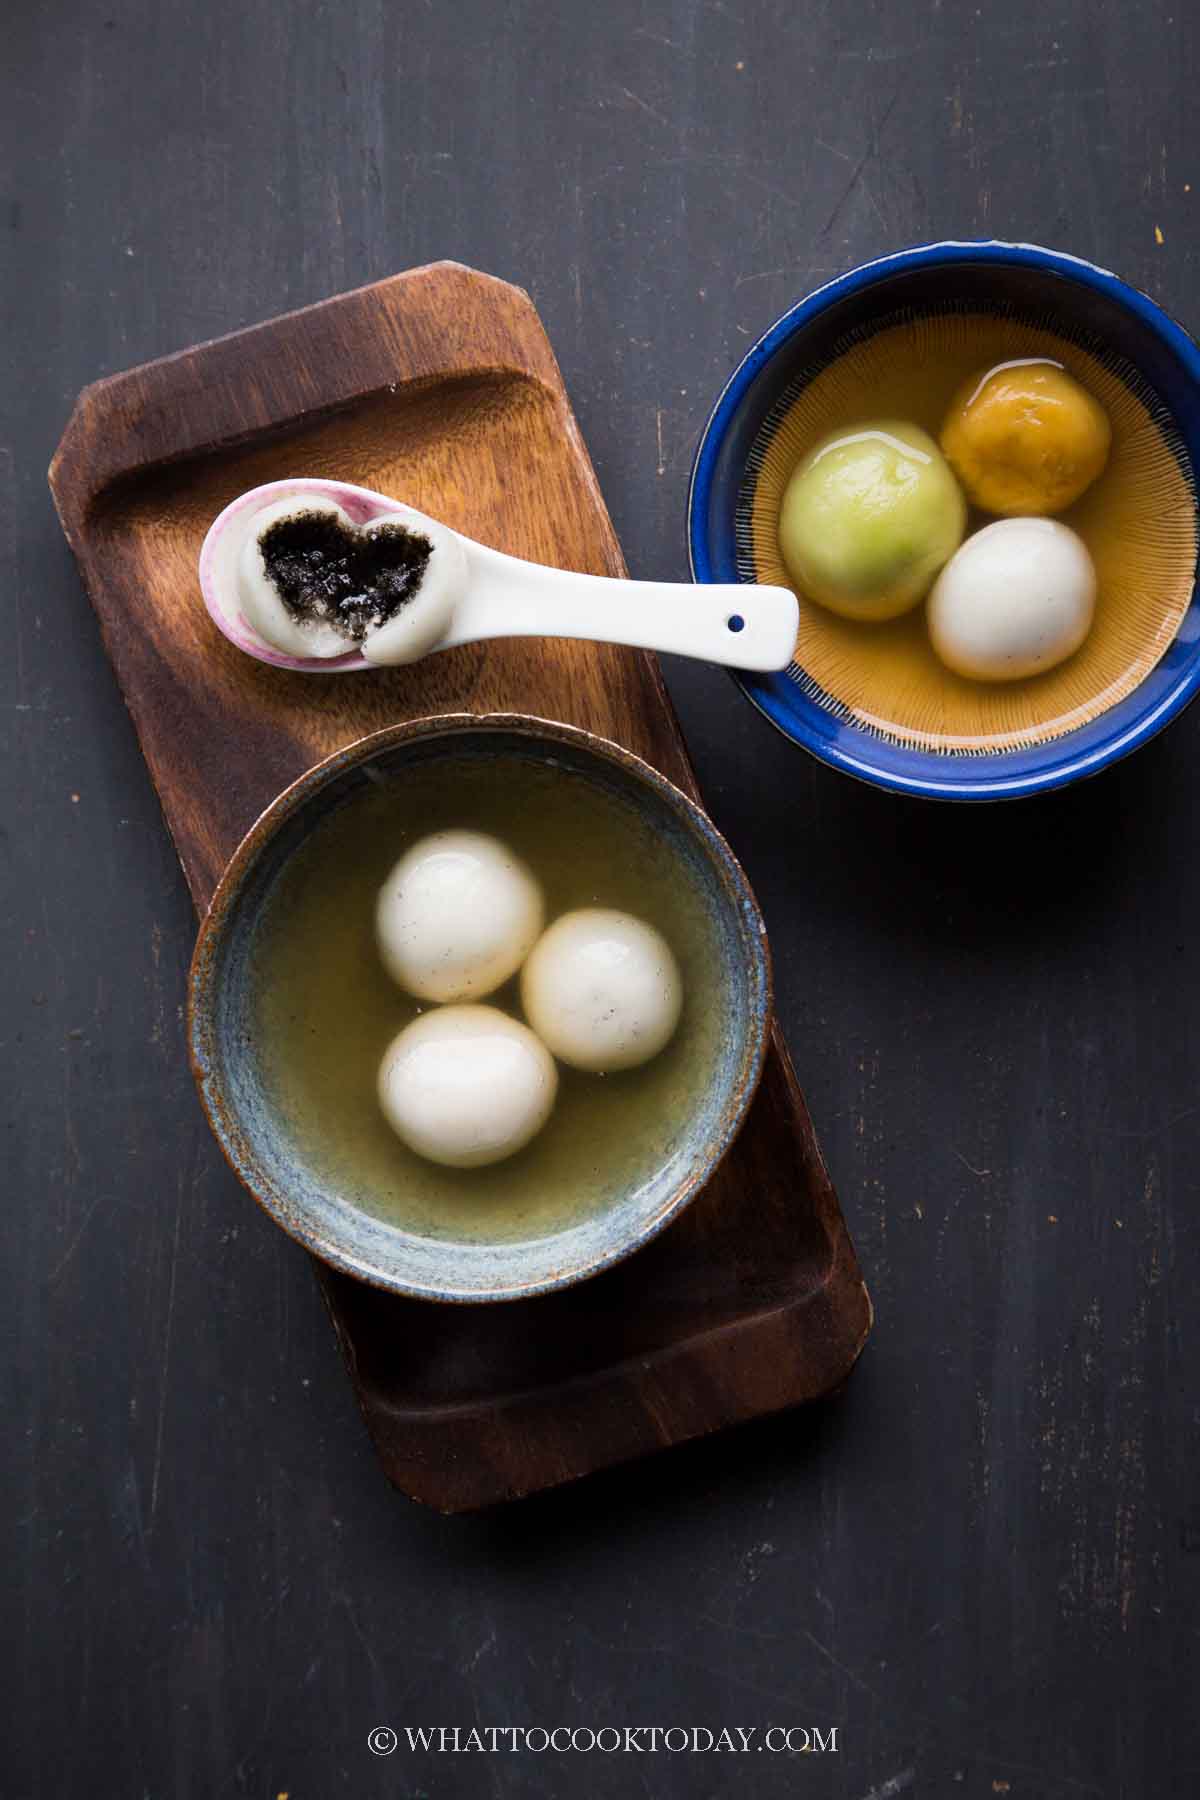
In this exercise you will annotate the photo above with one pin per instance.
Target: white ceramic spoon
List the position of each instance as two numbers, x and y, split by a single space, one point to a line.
468 592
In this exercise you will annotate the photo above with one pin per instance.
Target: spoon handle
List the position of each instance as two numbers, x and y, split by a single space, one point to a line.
740 625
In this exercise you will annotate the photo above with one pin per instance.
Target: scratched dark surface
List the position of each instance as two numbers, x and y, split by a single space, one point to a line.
982 1564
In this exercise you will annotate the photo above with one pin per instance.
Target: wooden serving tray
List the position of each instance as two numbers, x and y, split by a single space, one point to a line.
439 386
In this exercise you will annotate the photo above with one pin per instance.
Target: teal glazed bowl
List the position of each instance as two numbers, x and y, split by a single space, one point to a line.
255 1136
1083 304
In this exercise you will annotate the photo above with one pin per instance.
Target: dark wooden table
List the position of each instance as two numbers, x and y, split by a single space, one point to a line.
982 1564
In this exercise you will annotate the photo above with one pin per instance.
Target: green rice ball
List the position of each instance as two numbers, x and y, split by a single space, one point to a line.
868 519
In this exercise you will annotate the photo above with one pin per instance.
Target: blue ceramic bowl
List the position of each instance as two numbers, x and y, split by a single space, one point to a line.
1085 302
256 1139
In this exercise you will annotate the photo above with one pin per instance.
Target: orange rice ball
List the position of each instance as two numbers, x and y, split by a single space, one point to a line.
1025 439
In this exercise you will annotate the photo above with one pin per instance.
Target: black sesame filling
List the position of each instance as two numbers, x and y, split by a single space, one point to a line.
357 580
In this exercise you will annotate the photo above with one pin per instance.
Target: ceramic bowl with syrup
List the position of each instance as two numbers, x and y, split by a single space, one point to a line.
895 339
291 1009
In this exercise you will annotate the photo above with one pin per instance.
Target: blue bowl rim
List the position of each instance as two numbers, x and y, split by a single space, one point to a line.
1063 764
